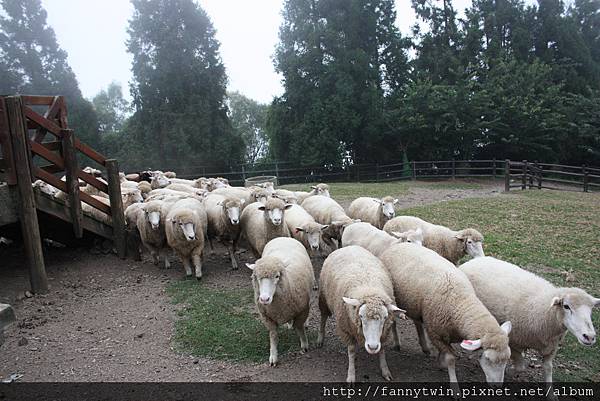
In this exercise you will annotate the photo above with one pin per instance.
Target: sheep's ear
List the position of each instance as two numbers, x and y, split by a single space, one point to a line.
506 327
299 229
597 302
287 206
556 301
395 201
460 236
323 228
397 234
397 312
262 208
471 345
250 266
377 200
242 201
313 187
351 301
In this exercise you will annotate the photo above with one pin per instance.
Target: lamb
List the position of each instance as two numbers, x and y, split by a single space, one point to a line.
319 189
373 210
185 229
375 240
282 280
358 291
540 312
441 298
303 227
263 222
327 211
223 215
452 245
151 227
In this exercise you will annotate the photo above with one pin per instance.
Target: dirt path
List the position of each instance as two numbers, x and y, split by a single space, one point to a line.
107 319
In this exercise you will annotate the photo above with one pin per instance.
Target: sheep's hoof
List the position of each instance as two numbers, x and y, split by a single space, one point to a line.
304 350
387 375
198 278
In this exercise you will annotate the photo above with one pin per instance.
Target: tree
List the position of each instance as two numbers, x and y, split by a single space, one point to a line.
33 63
111 109
248 119
178 87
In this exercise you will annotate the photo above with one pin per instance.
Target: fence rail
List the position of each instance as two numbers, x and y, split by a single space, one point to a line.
527 175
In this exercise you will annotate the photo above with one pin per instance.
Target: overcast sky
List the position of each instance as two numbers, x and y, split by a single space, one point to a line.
94 35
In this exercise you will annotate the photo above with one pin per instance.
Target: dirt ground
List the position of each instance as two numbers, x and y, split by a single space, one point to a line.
107 319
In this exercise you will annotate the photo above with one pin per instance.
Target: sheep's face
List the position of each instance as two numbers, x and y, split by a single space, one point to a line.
374 317
260 195
153 217
232 210
133 197
266 274
472 241
160 181
321 189
312 233
387 206
575 309
492 361
274 209
410 236
186 227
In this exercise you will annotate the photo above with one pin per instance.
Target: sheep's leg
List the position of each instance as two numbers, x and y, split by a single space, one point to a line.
197 259
153 253
518 360
325 313
396 331
272 326
231 249
300 330
447 360
547 364
212 248
385 370
423 339
165 255
351 378
186 264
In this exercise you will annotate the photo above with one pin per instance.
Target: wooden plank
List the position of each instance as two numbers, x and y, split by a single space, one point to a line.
93 181
71 168
52 168
54 108
91 153
116 204
46 154
50 179
41 122
37 100
6 145
28 213
52 145
90 200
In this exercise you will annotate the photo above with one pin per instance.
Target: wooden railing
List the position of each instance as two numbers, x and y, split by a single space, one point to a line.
26 155
527 175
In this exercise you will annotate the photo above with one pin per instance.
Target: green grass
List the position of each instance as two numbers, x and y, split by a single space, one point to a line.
547 232
223 324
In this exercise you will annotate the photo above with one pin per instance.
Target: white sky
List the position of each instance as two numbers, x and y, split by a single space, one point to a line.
93 32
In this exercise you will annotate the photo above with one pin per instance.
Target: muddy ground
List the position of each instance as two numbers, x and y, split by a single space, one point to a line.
107 319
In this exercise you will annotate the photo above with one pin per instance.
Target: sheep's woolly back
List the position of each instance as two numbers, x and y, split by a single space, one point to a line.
236 192
257 227
327 211
369 210
371 238
441 239
512 293
287 257
295 217
132 214
355 273
431 289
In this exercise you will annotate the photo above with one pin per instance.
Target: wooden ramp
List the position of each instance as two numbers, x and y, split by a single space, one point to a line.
26 156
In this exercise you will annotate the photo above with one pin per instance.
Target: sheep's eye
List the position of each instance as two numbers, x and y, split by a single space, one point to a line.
408 240
469 242
277 276
567 307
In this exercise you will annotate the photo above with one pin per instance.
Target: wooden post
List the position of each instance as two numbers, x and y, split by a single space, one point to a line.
116 207
586 178
377 172
494 168
524 177
453 169
244 174
277 171
71 168
414 170
27 209
506 175
538 175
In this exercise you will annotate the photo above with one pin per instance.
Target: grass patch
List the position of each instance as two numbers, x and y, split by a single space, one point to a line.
546 232
223 324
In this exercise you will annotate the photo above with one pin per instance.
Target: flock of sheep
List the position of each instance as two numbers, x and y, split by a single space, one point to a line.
380 268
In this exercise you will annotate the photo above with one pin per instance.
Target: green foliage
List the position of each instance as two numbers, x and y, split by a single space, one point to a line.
248 119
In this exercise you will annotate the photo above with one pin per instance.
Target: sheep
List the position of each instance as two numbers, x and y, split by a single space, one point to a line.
286 196
239 193
133 177
92 190
170 174
452 245
144 188
260 195
216 183
132 214
223 215
96 213
540 312
373 210
159 180
263 222
440 297
327 211
268 186
319 189
358 291
131 196
46 188
151 227
185 229
303 227
375 240
282 280
186 188
161 192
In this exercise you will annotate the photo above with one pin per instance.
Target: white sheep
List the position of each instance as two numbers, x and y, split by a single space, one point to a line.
159 180
327 211
451 244
263 222
319 189
151 227
185 228
303 227
186 188
440 297
357 290
541 313
46 188
373 210
224 222
96 213
375 240
240 193
144 188
282 280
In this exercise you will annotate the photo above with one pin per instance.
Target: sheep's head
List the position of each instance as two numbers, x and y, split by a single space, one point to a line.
321 189
336 228
152 213
574 308
202 183
496 353
266 273
231 208
387 206
260 194
472 242
291 199
312 232
410 236
274 209
185 224
374 317
268 186
132 196
159 180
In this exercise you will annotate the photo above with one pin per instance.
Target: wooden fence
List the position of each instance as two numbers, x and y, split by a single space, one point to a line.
527 175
